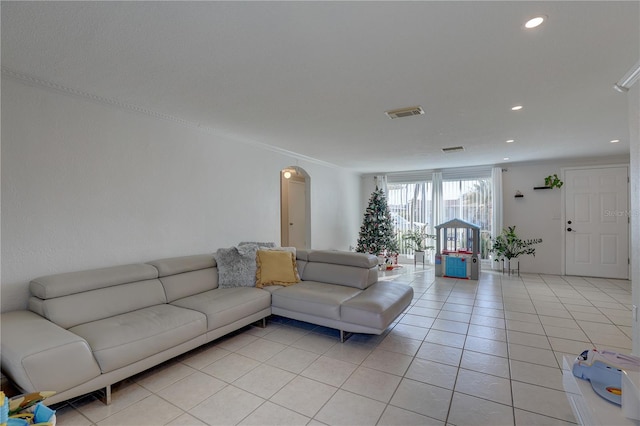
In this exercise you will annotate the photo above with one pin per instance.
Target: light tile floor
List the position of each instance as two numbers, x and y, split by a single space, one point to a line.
485 352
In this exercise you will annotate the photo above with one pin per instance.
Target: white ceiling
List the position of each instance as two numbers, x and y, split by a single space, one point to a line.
315 78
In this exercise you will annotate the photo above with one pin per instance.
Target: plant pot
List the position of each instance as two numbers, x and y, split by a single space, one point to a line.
512 266
418 256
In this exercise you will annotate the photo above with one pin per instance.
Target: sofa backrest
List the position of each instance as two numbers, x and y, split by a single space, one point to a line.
187 275
357 270
302 257
75 298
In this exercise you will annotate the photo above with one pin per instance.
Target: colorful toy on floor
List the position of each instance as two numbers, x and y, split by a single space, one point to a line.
26 409
4 409
604 370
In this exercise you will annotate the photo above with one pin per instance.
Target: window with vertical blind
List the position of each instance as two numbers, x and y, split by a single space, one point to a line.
410 206
470 200
465 194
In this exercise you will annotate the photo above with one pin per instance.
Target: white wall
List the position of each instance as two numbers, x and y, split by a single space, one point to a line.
368 186
634 130
536 215
88 185
539 213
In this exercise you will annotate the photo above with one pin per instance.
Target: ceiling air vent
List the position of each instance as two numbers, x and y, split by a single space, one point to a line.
453 149
405 112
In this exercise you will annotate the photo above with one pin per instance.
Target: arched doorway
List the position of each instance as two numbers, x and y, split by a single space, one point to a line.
295 217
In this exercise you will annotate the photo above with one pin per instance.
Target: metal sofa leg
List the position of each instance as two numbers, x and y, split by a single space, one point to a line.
105 396
344 335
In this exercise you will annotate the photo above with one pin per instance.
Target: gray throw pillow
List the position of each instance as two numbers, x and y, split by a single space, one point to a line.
237 266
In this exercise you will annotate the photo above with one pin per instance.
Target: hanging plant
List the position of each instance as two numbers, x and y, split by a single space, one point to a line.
553 181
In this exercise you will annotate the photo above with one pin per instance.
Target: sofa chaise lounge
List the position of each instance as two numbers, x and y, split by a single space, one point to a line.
86 330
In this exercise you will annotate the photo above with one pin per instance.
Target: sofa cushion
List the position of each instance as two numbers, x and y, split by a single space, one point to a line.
300 265
314 298
179 265
187 275
378 305
359 260
302 257
276 268
237 266
344 275
124 339
272 288
226 305
94 305
302 254
59 285
189 283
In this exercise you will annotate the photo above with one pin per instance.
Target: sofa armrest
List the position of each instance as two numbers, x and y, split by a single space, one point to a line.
39 355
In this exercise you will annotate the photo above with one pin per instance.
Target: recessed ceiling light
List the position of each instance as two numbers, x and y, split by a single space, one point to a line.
516 108
505 158
615 141
510 141
534 22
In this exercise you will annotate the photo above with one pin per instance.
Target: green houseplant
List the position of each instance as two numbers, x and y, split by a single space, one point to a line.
553 181
508 246
416 239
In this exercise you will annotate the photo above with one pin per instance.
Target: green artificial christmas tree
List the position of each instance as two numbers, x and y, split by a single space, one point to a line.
377 235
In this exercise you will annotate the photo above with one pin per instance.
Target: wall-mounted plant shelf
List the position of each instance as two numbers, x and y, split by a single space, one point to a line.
541 187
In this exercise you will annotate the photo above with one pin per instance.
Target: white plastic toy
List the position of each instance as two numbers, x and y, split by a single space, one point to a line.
603 370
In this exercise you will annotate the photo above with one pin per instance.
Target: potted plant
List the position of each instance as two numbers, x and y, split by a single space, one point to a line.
553 181
508 246
416 240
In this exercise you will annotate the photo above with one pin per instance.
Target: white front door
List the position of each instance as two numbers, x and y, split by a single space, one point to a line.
597 222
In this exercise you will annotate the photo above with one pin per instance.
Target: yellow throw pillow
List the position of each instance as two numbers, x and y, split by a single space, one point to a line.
276 268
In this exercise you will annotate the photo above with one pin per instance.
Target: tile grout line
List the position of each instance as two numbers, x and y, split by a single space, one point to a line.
484 294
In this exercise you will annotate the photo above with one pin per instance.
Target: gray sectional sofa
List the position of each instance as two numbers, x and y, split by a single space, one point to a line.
86 330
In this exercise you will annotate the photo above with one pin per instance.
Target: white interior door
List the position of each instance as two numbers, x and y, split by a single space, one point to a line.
297 215
597 222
